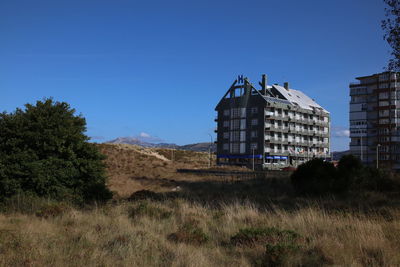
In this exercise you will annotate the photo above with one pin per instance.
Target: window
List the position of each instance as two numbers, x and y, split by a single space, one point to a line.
225 146
226 124
383 103
253 134
235 148
253 146
226 112
254 122
383 95
242 148
383 121
238 112
243 124
384 113
235 124
226 135
235 136
242 136
254 110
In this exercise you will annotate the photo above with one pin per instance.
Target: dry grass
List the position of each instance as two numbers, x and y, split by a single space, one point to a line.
195 225
137 234
132 168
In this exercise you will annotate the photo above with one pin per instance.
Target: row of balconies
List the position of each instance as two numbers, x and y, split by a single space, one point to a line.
296 142
297 119
296 130
285 152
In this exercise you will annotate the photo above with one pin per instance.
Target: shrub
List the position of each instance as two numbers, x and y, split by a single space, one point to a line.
254 236
276 254
279 244
373 179
189 233
316 177
350 170
44 152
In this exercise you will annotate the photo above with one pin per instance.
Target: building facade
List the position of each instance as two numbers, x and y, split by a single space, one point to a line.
374 120
271 127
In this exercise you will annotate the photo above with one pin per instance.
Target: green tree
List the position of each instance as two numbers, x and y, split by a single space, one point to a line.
44 151
391 27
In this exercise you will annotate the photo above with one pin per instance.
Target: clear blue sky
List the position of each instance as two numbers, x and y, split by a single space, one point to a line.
160 67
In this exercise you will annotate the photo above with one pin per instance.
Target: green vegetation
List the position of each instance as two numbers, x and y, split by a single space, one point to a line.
189 232
44 152
252 236
317 177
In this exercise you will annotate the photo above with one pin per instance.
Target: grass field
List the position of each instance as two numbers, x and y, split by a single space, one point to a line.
161 218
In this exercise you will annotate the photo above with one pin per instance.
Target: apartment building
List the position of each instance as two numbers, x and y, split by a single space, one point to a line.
374 120
273 127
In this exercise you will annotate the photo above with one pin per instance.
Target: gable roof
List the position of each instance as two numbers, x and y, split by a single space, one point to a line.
278 94
299 98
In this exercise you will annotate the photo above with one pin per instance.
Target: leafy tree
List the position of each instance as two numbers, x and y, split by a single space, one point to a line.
391 26
44 152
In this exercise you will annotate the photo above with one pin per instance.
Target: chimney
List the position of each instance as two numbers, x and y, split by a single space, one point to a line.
286 85
264 84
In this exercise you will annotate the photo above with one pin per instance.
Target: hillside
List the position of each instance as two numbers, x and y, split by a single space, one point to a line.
131 168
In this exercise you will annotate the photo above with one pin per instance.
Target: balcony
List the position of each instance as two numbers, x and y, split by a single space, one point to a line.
358 90
268 114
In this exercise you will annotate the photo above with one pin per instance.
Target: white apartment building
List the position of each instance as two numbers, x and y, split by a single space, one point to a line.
274 126
374 120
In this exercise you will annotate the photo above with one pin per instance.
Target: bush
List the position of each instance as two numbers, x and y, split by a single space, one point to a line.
276 254
253 236
189 233
353 175
350 170
44 152
316 177
280 245
373 179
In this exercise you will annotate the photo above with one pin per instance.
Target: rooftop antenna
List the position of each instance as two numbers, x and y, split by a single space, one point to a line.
264 84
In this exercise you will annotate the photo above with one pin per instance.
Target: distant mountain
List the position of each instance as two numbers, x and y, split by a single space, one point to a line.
199 147
138 142
336 155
